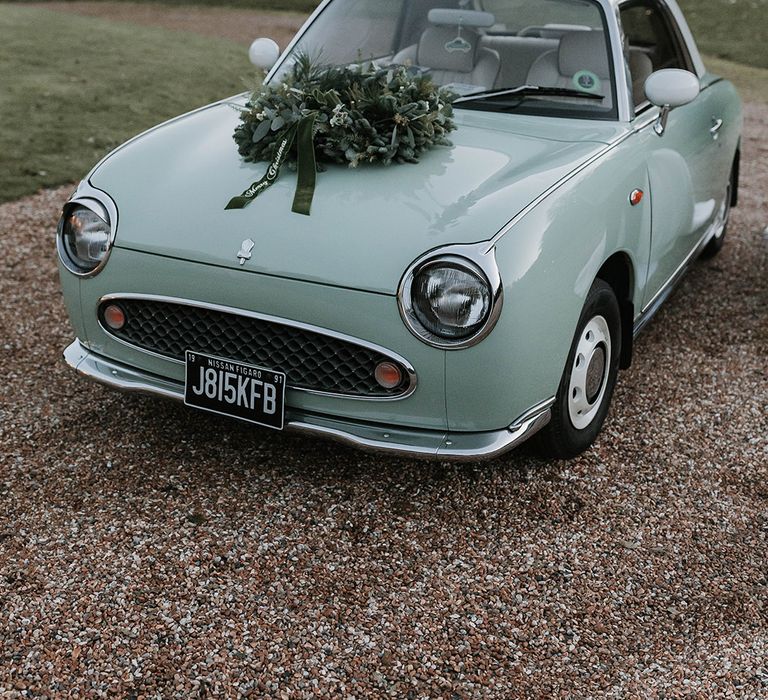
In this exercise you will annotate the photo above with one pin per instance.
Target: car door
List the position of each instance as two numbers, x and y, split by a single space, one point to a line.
683 162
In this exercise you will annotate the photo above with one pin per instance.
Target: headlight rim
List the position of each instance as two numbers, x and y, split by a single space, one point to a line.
100 204
479 260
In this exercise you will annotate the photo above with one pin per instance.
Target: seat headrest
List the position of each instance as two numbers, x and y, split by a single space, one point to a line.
583 51
440 50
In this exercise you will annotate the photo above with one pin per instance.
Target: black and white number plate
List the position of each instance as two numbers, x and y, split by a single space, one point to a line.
234 389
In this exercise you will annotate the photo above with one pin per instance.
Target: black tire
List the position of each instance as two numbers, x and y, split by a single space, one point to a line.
586 389
716 243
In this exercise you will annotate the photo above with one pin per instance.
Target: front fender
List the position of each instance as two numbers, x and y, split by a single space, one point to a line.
548 261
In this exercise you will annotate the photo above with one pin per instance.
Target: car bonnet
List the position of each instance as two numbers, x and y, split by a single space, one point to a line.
171 186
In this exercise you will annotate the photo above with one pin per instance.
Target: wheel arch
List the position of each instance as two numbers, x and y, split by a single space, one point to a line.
618 271
735 172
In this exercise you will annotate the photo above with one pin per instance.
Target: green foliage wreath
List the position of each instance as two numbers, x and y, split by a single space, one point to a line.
361 113
364 113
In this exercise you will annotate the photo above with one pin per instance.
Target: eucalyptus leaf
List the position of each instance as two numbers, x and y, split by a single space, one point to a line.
261 131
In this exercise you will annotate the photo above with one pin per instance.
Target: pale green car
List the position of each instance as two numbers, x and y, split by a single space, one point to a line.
448 309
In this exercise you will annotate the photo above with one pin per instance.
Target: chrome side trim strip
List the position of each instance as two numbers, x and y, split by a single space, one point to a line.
406 442
533 413
489 245
644 121
652 307
412 377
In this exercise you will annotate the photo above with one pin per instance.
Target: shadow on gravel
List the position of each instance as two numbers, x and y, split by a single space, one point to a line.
153 444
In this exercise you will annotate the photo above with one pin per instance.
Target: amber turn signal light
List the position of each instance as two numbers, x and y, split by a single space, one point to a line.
114 317
388 375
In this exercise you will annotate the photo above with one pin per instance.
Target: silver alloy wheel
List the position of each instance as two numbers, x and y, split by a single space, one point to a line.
589 374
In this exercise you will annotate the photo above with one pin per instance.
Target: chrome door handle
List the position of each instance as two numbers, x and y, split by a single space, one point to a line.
717 124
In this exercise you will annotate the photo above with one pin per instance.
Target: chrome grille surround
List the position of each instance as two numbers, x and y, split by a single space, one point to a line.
316 360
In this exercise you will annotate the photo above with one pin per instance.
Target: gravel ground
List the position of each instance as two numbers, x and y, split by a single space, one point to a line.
150 551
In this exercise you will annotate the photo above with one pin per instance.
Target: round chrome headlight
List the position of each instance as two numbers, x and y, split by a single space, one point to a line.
448 301
84 238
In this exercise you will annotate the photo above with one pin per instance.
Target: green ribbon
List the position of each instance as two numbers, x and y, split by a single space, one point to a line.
305 186
303 134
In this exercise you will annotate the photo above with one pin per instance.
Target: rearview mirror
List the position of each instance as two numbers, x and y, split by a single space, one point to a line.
264 53
670 88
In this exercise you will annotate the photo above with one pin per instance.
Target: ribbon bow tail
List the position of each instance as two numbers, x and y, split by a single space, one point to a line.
273 171
307 166
303 133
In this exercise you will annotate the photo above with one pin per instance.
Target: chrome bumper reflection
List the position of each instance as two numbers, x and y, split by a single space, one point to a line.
411 442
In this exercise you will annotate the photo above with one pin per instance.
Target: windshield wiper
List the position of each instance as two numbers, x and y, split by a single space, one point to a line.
527 91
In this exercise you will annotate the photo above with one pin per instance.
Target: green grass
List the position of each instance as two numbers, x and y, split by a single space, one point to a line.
72 88
303 6
752 83
736 30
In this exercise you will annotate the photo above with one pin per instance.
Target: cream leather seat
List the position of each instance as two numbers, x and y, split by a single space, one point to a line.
581 58
640 68
472 65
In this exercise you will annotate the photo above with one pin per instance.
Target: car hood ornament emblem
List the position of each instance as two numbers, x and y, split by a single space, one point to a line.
245 251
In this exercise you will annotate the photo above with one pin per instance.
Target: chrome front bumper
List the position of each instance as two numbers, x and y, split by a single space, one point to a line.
410 442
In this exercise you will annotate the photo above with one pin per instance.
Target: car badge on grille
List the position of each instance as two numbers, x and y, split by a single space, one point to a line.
245 251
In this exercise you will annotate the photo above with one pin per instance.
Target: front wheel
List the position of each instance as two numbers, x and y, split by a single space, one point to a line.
589 377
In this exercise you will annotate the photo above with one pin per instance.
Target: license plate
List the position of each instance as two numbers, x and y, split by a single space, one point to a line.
235 389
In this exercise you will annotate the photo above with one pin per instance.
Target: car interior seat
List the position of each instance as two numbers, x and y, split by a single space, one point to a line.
580 62
451 49
640 68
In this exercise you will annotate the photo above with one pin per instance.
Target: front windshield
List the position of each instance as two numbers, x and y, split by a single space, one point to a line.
476 46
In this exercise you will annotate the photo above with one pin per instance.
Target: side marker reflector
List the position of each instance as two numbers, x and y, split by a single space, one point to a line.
388 375
114 317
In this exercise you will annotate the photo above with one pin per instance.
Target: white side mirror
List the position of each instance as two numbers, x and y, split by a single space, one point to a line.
264 53
671 87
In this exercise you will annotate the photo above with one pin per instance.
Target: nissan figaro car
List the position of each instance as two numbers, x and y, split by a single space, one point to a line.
449 309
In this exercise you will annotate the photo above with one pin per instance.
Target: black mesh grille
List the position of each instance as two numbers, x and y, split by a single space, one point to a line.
310 360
